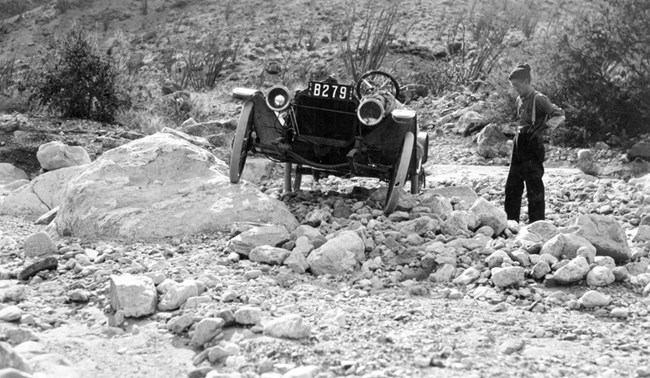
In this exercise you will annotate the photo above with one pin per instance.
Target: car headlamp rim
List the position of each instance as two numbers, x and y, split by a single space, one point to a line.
272 95
371 102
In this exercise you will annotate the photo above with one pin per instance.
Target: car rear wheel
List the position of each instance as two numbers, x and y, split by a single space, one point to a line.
399 177
241 142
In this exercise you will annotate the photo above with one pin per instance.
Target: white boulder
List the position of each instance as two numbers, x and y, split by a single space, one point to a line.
160 186
54 155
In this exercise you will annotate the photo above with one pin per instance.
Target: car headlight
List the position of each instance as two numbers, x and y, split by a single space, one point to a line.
278 98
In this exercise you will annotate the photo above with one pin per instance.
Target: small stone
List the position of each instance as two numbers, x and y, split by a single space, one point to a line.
134 295
47 263
291 326
509 276
512 346
248 315
39 244
600 276
206 330
540 270
310 371
180 323
11 314
252 274
619 312
79 295
593 299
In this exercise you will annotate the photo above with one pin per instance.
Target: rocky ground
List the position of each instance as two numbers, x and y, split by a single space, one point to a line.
387 319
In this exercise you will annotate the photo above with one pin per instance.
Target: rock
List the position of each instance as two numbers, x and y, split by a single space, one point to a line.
419 226
496 258
43 193
54 155
470 120
508 276
462 193
490 215
297 262
338 255
258 170
178 294
268 254
290 326
619 312
540 270
537 232
10 313
310 371
269 235
444 273
135 296
248 315
606 234
10 359
600 276
48 217
47 263
13 373
161 186
620 273
605 261
39 244
643 232
646 290
9 173
512 346
468 276
436 204
180 323
457 223
572 272
79 295
310 232
206 330
587 163
491 142
639 150
593 298
566 246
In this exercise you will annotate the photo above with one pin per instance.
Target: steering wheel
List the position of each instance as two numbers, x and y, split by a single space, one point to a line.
373 81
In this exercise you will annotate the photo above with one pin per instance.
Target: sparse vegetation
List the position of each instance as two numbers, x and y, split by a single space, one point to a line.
80 82
365 35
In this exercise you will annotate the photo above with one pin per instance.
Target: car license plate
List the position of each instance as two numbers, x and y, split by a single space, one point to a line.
330 90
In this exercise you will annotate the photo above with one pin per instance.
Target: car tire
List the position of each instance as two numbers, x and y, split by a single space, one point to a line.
399 177
241 142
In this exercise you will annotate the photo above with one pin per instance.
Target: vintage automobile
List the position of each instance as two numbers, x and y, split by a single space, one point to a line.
334 129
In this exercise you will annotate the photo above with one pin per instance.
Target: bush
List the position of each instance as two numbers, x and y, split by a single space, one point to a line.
603 66
81 82
364 48
200 66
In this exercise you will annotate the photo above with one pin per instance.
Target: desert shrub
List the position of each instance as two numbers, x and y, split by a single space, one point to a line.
80 82
200 66
365 35
602 66
7 72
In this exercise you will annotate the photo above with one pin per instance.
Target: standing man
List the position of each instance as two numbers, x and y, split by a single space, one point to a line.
535 113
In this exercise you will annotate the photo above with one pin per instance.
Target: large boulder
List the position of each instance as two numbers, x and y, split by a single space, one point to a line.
161 186
606 234
41 194
491 142
9 173
54 155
